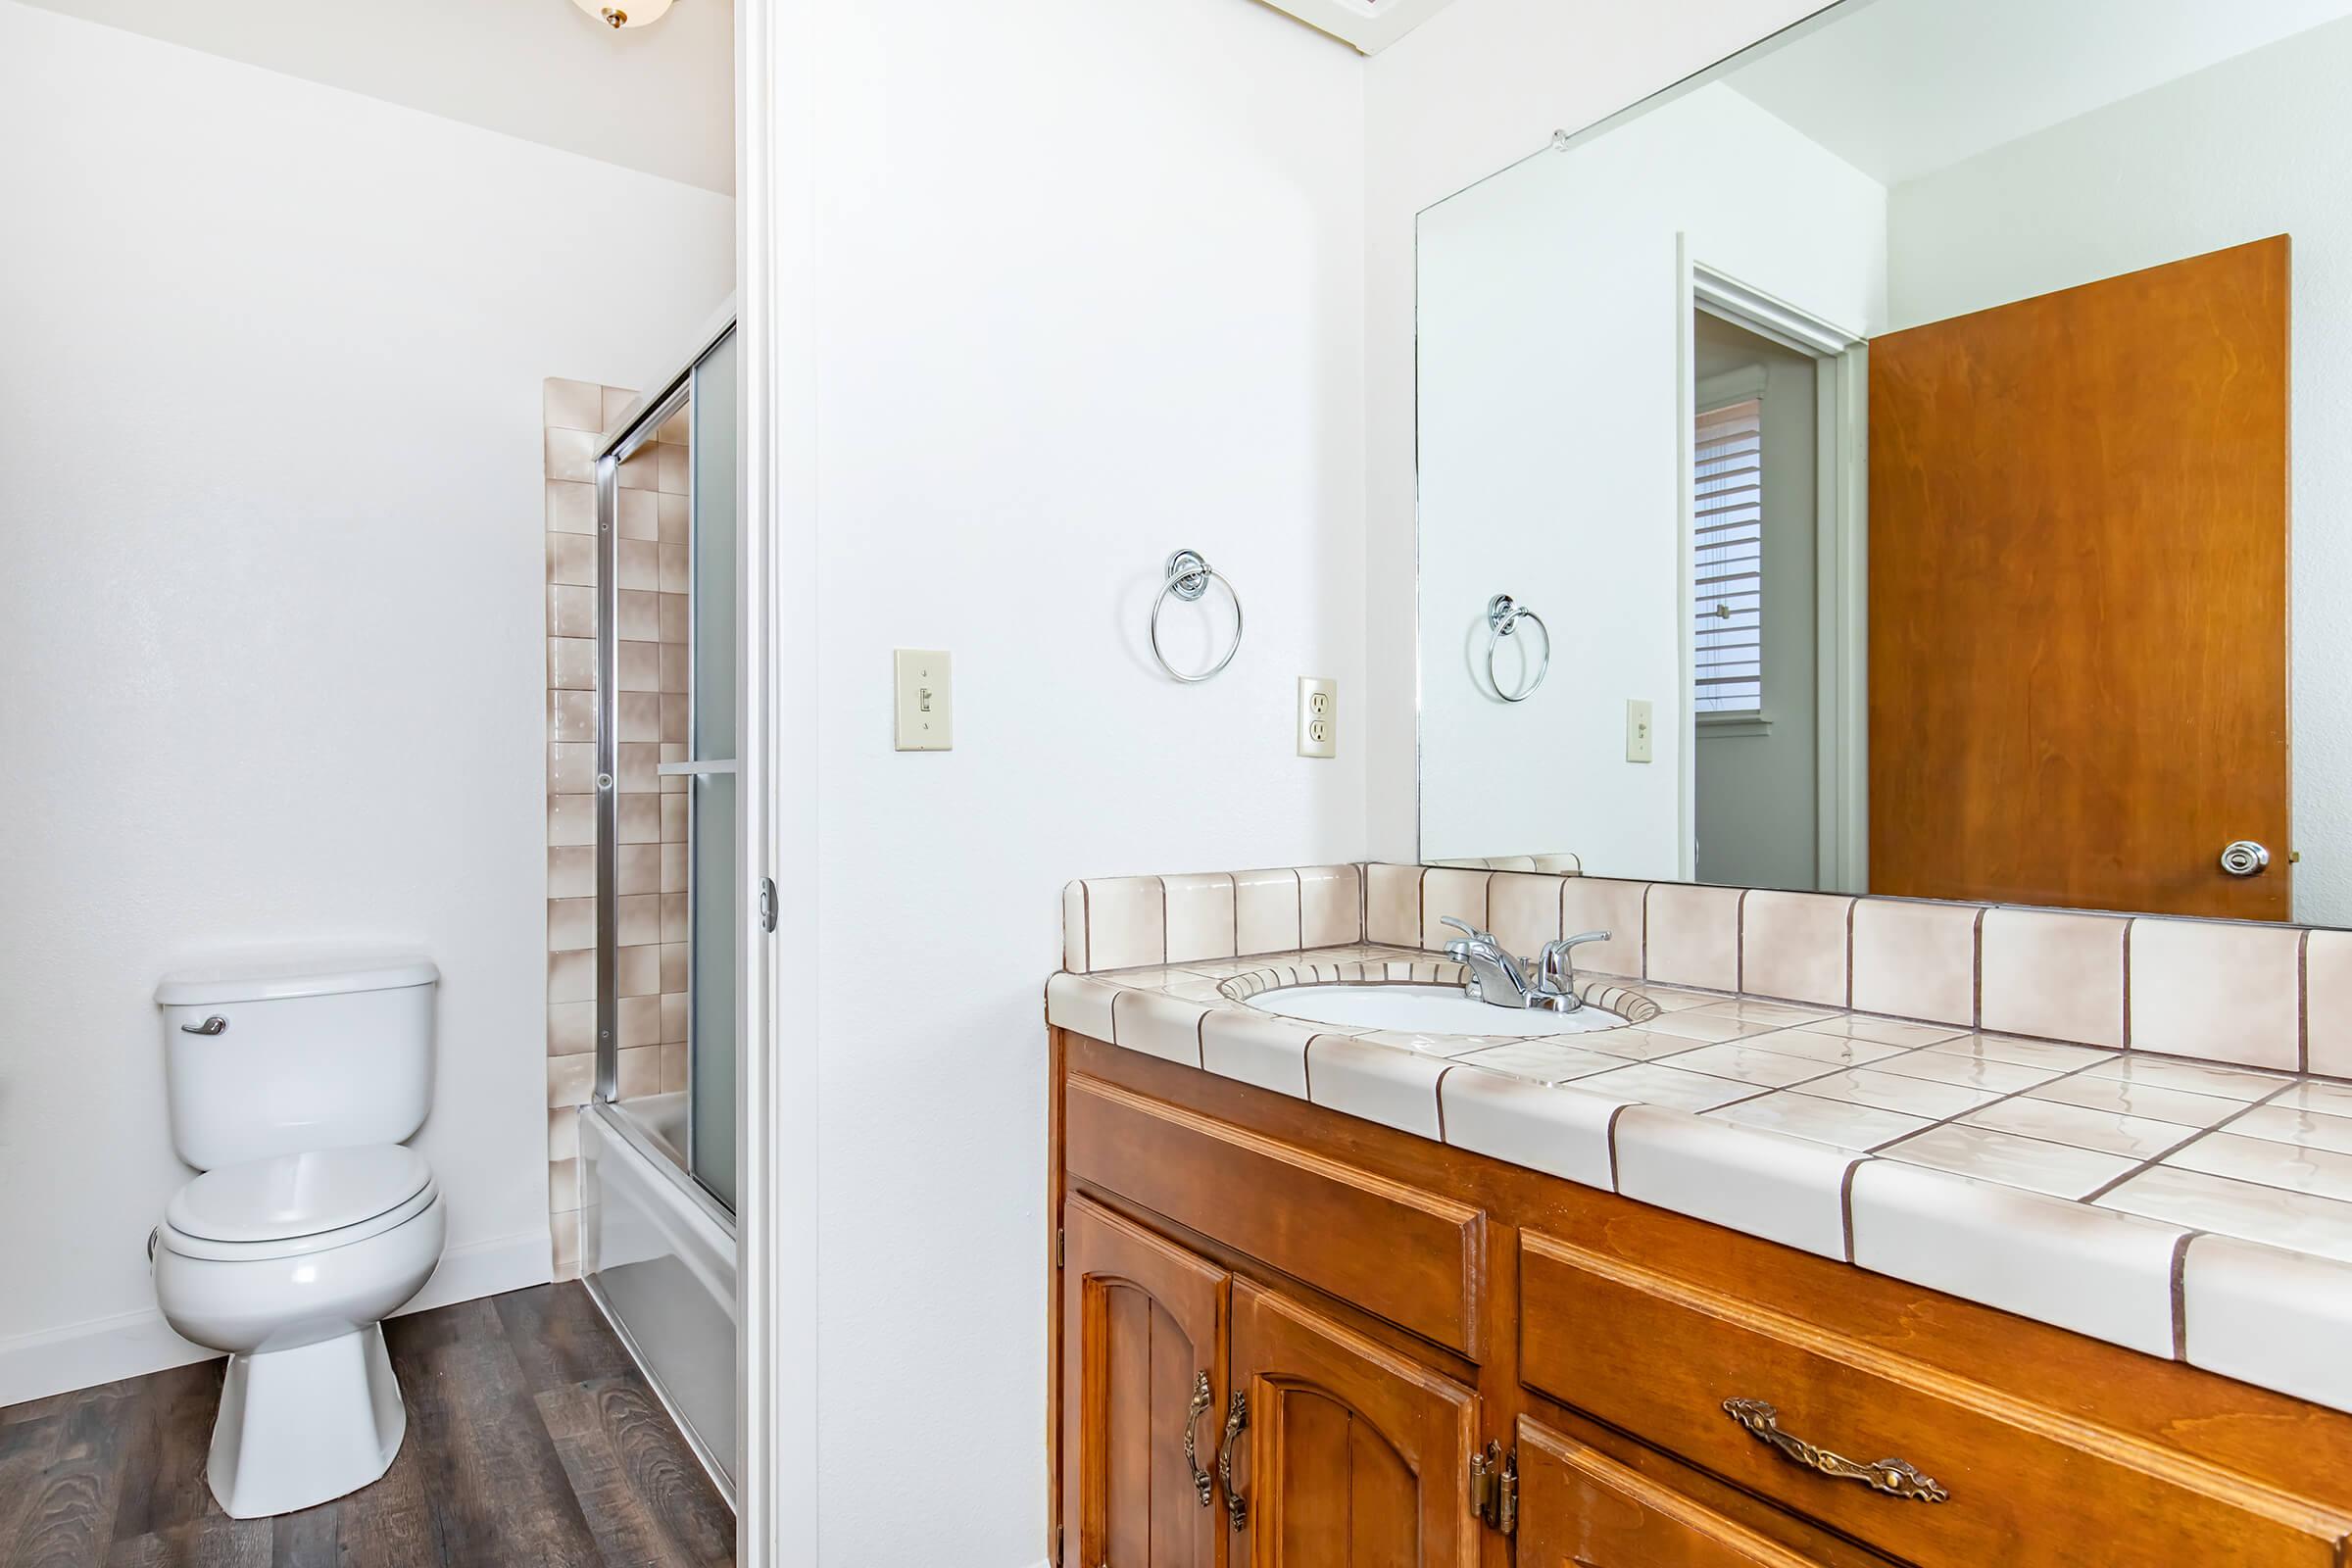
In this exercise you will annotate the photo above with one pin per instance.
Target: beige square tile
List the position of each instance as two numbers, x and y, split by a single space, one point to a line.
640 617
1256 1048
675 618
637 971
1378 1083
677 668
1824 1122
571 558
563 1185
640 1072
571 821
1265 911
570 924
673 966
639 1019
1445 891
678 429
639 666
2025 1053
1080 1002
1605 904
676 923
1968 1071
2189 1077
2291 1124
1542 1062
638 818
563 1135
1660 1083
1749 1063
674 783
637 869
570 508
2268 1317
571 977
1523 910
1985 1154
640 470
570 1028
1692 936
639 919
677 719
2327 1005
673 869
1886 1091
570 610
673 818
2232 993
2144 1102
1916 960
1786 1189
676 518
1158 1025
563 1245
571 769
1793 944
675 1064
674 1016
636 515
1331 905
573 405
672 568
637 564
2298 1167
638 772
2059 976
2301 1222
618 401
571 458
570 1079
571 871
1393 904
673 470
571 664
1560 1133
571 716
1125 922
2055 1121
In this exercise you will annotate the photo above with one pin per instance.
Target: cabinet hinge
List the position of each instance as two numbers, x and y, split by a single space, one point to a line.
1061 1248
1494 1487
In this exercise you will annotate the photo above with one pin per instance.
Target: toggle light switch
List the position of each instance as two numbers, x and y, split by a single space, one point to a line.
1637 730
925 700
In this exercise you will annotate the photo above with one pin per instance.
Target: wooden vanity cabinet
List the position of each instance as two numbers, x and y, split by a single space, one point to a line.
1445 1361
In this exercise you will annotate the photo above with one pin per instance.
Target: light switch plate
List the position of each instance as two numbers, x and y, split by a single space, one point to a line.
1637 730
926 704
1318 716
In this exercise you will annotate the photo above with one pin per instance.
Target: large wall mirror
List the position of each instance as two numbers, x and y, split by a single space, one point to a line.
1885 463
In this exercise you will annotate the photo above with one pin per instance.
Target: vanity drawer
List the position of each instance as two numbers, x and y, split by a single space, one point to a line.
1399 1252
1578 1506
1658 1358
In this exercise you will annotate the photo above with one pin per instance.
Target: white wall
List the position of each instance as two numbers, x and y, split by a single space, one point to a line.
1554 353
2252 147
273 615
1088 289
1481 83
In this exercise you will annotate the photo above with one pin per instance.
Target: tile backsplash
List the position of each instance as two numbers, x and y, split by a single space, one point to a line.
2261 996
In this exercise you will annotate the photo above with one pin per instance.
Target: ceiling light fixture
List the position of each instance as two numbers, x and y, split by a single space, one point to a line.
631 13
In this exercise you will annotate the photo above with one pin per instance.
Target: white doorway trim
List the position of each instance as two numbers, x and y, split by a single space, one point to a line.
1841 567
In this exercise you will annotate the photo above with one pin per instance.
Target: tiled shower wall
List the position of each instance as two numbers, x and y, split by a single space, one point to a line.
650 719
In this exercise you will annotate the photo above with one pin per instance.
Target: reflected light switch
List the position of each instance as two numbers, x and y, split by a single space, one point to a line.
1637 730
925 700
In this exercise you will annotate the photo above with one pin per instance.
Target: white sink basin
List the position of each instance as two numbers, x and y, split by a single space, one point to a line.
1425 1010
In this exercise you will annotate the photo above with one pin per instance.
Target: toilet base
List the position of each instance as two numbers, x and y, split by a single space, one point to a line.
300 1427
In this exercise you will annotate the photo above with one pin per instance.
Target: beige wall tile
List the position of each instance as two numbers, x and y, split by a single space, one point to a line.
571 871
570 508
1523 910
637 563
570 610
1199 916
640 1072
617 401
674 783
674 1066
1605 904
673 570
570 1079
1073 927
571 769
673 868
1393 904
676 518
571 977
570 1028
1692 936
563 1185
673 818
571 664
1916 960
636 515
573 405
677 719
675 1013
1331 905
639 617
1265 911
637 869
564 1242
638 768
2327 1004
571 716
2056 976
571 558
563 1134
673 966
1793 946
676 925
677 670
672 468
1126 922
1444 892
639 471
639 666
639 1019
2231 993
571 821
640 919
570 924
637 971
676 613
637 715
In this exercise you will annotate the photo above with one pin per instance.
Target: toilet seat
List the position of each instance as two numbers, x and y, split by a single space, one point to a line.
291 1204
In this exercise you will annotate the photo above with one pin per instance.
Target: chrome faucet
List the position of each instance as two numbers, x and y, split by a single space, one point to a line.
1504 981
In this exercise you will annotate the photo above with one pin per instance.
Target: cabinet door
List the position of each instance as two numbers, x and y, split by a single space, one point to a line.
1143 1325
1579 1508
1355 1456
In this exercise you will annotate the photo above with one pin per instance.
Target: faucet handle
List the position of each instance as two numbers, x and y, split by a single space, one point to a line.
1466 929
1581 938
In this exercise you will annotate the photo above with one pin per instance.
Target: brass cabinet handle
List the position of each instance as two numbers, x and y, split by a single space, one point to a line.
1890 1476
1201 1401
1236 1420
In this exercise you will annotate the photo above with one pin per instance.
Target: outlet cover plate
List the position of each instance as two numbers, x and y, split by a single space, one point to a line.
1318 716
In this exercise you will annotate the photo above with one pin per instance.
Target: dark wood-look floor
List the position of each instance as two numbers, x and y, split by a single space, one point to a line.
532 1440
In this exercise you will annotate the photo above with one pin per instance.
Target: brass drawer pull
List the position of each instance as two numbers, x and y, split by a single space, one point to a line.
1236 1420
1890 1476
1201 1401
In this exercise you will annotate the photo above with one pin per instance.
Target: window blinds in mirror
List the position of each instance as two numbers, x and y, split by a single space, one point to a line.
1726 542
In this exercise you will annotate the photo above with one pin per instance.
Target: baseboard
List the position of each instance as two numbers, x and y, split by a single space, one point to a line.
81 1355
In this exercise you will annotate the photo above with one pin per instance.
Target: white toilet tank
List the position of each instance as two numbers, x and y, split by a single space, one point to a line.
284 1056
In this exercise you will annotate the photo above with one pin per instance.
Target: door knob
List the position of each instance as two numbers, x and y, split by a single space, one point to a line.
2245 857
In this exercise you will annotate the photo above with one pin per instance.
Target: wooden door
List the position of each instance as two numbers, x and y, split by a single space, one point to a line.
1579 1508
1143 1321
1355 1457
2078 594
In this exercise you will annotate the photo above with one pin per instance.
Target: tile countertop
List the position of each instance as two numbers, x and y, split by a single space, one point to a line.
2192 1211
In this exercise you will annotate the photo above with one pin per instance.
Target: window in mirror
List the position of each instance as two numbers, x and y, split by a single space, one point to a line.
1727 553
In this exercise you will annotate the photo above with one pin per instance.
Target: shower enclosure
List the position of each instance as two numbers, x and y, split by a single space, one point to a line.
658 1140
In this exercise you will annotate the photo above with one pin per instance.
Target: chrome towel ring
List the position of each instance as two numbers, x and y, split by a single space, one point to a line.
1503 615
1188 579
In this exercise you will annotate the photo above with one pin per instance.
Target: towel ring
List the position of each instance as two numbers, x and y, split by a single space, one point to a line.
1503 615
1188 580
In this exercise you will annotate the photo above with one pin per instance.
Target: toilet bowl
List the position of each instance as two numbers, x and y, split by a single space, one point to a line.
294 1084
290 1264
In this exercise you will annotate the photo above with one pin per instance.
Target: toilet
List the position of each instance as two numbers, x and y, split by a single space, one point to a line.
293 1086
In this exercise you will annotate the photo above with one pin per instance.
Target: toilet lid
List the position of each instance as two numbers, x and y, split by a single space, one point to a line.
298 1195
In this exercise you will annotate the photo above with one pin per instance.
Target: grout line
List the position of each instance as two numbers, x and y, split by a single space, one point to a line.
2162 1155
2181 1294
1852 905
1298 910
1612 1143
1740 942
2303 1004
1845 1203
1438 1090
1163 918
2129 924
1975 971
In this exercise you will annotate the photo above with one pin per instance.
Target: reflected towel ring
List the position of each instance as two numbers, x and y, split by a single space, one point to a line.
1503 615
1188 580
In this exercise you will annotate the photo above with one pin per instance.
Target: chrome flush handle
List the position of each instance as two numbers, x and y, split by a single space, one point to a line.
215 1025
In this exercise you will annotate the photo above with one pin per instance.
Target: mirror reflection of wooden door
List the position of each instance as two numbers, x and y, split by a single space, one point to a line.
2078 594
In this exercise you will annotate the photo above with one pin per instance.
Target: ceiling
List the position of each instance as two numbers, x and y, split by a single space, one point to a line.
1899 88
659 99
1371 25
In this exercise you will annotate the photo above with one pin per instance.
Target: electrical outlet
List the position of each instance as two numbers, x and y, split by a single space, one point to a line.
926 705
1637 731
1318 716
